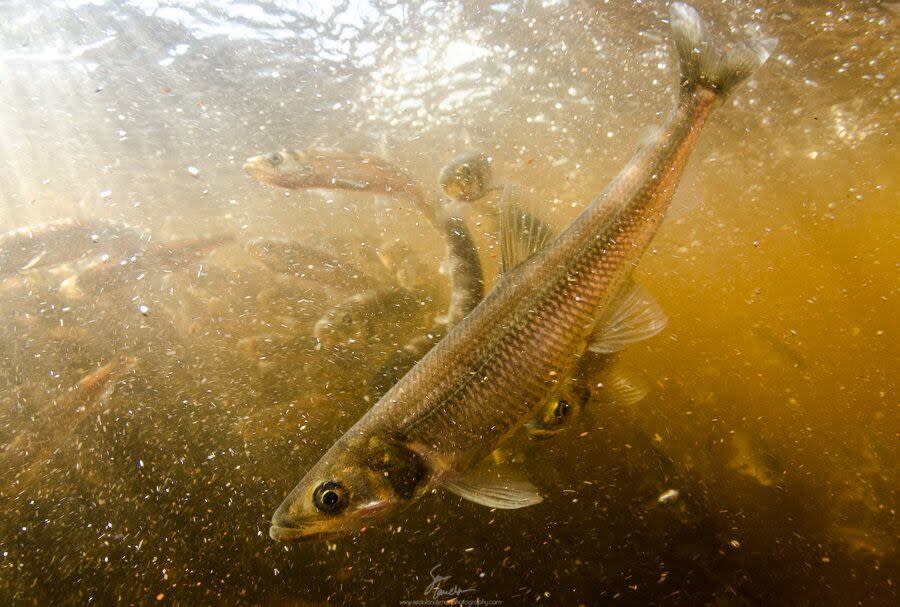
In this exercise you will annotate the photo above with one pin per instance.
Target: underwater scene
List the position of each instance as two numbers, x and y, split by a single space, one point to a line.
449 302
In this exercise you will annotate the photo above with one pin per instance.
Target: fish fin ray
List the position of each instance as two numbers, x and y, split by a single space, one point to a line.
636 317
493 486
706 63
621 387
522 234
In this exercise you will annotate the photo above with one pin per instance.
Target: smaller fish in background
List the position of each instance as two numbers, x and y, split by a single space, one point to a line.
310 265
598 381
330 170
359 319
468 177
64 241
110 274
317 169
27 452
558 413
857 540
750 459
779 346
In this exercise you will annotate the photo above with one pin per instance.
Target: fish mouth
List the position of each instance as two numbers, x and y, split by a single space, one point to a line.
285 528
281 533
258 165
287 534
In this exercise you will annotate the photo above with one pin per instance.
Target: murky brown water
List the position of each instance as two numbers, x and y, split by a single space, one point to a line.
773 409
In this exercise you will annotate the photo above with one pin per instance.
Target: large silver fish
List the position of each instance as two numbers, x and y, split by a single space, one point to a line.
556 300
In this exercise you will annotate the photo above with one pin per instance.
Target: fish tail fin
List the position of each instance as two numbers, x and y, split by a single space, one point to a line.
707 63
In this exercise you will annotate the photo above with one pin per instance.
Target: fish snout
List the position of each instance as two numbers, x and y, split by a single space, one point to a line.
258 167
283 526
286 527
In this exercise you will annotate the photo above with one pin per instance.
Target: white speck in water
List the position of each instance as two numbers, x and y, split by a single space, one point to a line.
105 194
140 463
144 309
194 171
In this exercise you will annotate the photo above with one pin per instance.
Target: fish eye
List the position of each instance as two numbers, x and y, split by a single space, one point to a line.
275 158
330 497
562 410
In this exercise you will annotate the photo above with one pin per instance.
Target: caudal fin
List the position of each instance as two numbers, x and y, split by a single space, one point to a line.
707 63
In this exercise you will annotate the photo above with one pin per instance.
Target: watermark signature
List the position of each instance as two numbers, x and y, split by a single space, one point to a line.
440 592
436 592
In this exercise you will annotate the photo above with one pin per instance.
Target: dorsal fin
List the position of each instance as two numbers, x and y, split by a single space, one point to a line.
522 234
636 316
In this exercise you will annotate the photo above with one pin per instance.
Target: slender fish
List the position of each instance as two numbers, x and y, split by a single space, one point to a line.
27 452
332 170
466 178
310 265
63 241
598 381
437 426
355 321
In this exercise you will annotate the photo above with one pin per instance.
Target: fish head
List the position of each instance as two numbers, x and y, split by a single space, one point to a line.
554 415
340 494
467 177
286 169
270 252
341 326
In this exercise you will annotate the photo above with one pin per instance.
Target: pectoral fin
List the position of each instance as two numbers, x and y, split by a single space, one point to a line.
637 316
494 487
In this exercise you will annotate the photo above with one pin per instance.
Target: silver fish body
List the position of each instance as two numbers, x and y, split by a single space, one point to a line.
487 376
